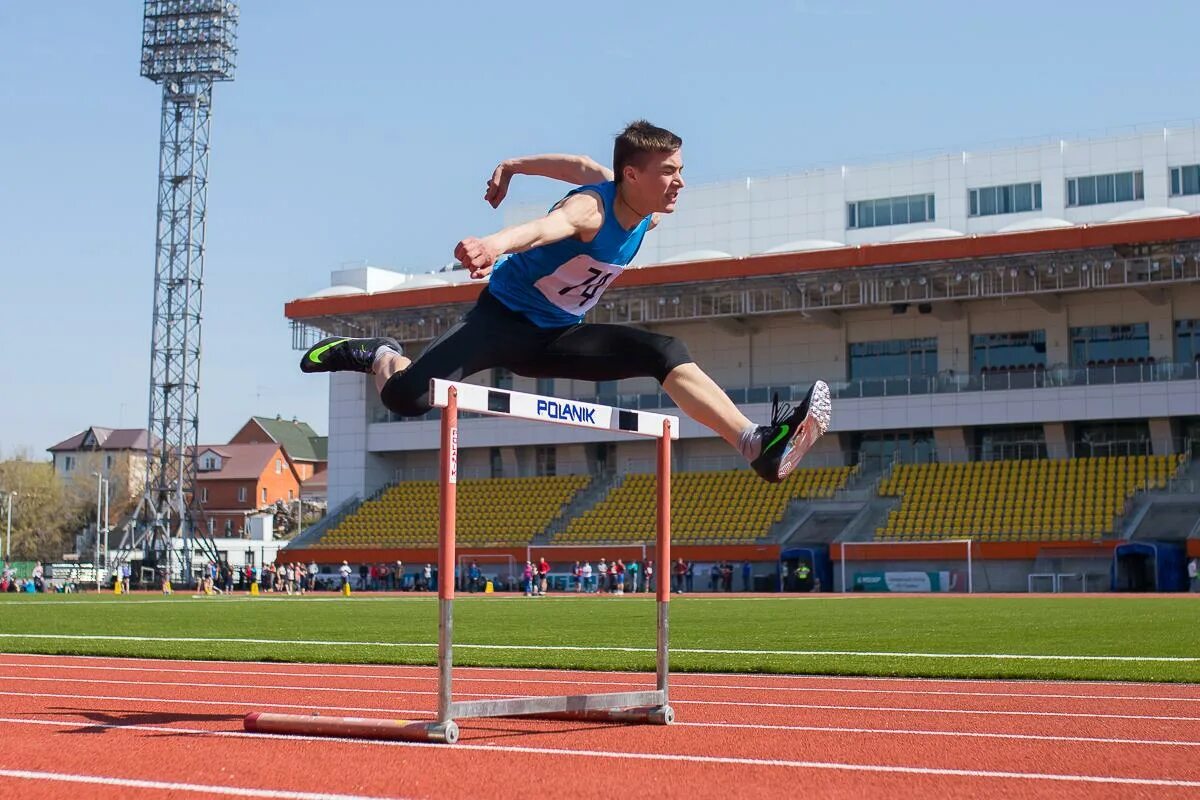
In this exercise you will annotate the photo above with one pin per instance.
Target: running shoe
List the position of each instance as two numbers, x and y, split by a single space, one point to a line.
345 355
791 434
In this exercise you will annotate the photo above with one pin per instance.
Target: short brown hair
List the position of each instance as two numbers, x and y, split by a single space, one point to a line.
639 139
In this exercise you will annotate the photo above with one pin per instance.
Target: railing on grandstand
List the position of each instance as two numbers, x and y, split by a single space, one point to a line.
1032 377
479 473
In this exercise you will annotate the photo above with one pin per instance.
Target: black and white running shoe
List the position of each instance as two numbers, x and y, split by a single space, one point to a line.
345 355
791 434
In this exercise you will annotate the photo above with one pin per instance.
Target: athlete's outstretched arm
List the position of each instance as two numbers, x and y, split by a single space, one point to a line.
580 214
577 170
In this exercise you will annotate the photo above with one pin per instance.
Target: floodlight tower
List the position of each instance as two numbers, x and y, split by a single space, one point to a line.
187 45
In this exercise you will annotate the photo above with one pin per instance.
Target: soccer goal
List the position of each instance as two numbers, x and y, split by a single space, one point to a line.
947 565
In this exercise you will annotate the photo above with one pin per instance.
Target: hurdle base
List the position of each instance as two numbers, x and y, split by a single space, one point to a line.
647 707
645 715
352 727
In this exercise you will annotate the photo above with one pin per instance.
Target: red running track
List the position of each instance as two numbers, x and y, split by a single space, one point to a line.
92 727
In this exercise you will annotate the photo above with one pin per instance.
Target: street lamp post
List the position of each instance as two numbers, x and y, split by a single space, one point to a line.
101 505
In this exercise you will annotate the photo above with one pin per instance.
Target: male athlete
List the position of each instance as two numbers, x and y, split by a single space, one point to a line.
546 275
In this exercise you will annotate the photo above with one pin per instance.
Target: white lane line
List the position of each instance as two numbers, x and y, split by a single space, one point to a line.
648 683
172 786
676 677
407 712
590 648
736 703
635 756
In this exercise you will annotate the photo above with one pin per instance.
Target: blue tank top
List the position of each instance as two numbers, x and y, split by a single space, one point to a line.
556 284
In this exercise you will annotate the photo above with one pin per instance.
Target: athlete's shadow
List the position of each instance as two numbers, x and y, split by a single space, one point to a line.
105 720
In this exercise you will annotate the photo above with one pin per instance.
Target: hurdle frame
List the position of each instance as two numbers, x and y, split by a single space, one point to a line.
636 707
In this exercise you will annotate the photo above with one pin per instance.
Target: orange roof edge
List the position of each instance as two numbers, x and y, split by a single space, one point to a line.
975 246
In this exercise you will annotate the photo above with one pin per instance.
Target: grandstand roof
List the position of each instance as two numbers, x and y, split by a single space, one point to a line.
1075 237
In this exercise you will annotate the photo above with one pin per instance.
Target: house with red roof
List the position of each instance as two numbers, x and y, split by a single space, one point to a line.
234 481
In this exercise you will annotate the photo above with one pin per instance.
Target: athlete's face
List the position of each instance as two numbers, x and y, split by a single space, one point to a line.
656 185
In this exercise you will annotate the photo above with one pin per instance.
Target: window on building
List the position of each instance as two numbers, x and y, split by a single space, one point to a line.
1011 199
279 466
893 358
264 495
1010 442
497 462
606 391
1187 340
545 386
211 526
291 494
1005 352
545 461
1185 180
108 462
1094 190
502 378
68 463
889 211
228 528
1102 345
204 494
878 448
1127 437
241 494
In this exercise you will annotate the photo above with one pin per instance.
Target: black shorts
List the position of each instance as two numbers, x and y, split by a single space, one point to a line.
492 335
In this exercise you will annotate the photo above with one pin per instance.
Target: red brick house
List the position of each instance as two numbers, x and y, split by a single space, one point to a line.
236 480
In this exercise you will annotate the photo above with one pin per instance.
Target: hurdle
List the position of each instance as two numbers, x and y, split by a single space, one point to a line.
648 707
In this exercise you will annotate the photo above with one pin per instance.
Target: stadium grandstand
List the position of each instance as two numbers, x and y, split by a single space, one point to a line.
1012 338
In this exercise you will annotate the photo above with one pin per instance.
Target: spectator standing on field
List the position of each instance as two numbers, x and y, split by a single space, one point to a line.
689 574
544 574
1194 574
602 573
313 569
727 576
345 571
633 570
619 572
399 572
648 577
747 577
585 574
714 577
678 571
427 573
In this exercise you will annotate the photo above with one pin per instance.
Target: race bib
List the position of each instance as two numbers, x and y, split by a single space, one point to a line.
576 286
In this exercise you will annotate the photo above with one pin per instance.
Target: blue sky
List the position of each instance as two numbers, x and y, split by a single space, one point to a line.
366 129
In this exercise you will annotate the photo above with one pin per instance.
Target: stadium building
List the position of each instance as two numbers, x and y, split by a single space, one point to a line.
1011 337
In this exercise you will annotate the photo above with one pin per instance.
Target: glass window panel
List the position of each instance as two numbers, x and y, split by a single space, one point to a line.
930 213
1191 180
851 216
1123 189
1037 196
1176 183
1138 189
1004 199
1072 192
1022 197
883 212
1105 192
987 201
1087 191
973 196
866 214
900 212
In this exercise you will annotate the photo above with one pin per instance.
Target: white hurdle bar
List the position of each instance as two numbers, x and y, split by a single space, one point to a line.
645 707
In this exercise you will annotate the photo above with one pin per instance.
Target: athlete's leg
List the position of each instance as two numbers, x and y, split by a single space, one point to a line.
489 336
613 352
698 396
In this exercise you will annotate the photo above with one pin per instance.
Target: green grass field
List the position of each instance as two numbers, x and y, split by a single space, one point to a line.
859 635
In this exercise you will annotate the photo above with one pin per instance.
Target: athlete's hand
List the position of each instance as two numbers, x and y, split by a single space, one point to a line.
497 185
477 255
